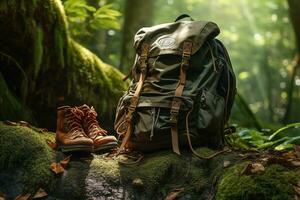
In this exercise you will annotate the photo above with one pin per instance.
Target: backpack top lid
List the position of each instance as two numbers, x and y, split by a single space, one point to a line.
168 38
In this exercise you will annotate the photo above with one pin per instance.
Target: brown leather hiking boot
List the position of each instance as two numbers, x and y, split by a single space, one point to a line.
102 141
70 135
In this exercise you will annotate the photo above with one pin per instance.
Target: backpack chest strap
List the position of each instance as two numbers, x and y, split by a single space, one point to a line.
176 103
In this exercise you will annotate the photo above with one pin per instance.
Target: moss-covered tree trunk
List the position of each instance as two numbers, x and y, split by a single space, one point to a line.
34 36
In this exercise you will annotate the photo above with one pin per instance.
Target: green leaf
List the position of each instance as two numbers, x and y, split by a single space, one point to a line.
294 125
105 24
108 10
272 143
284 147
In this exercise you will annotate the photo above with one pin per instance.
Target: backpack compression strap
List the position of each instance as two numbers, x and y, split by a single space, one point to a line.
135 98
175 106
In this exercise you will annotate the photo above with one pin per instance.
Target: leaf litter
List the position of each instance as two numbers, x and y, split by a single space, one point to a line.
60 167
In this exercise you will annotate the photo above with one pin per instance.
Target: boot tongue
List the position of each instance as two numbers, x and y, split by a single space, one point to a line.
77 112
92 112
93 125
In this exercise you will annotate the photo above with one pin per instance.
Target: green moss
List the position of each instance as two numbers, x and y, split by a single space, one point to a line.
59 47
93 81
161 171
154 171
275 183
24 149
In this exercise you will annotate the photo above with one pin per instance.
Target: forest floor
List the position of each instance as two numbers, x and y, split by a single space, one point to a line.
32 169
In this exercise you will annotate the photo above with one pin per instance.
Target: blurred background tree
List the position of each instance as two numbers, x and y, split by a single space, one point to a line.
95 24
259 35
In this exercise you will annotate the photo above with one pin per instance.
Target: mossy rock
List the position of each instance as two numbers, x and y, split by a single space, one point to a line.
24 159
48 66
25 166
275 183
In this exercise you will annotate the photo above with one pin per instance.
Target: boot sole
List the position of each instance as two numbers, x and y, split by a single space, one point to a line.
75 148
105 147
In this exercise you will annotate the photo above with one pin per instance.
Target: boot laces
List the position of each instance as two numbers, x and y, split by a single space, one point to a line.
92 124
74 119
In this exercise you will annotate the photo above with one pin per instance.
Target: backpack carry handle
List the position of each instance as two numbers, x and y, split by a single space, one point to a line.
180 17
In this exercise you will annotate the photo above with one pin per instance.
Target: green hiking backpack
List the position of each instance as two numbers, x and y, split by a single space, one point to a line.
182 90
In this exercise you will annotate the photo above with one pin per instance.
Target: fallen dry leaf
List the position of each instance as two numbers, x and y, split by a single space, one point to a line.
57 168
257 168
297 150
10 123
24 123
276 160
138 183
174 194
40 193
64 163
265 160
51 144
295 163
2 196
289 155
226 163
253 168
23 196
297 191
42 130
246 169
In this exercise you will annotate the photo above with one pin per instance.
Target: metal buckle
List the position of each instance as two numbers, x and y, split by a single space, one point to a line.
175 110
174 117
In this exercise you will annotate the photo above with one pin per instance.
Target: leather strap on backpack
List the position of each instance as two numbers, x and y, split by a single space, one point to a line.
176 103
135 98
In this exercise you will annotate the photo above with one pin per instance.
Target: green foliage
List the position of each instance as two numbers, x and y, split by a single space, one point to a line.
282 130
275 183
106 17
83 17
253 139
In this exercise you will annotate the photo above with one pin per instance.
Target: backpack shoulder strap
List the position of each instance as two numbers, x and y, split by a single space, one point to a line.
175 106
180 17
135 98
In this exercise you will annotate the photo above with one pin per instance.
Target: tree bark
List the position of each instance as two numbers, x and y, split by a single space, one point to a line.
58 70
294 7
137 14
